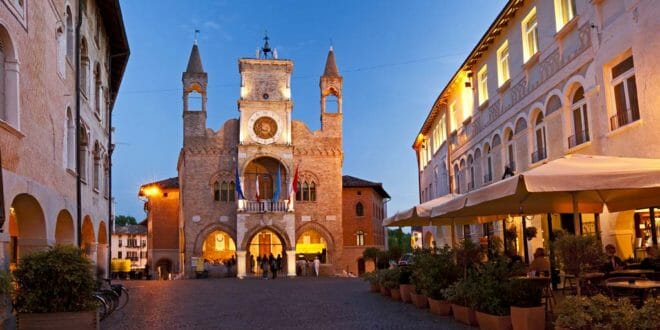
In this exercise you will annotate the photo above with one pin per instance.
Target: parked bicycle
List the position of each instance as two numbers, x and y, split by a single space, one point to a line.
111 297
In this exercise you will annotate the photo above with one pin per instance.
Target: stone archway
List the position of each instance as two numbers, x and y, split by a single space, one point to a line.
163 268
206 231
27 227
324 233
64 229
102 250
88 238
265 240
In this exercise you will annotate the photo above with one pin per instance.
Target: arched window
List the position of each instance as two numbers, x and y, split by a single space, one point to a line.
471 173
70 142
488 176
306 191
312 192
69 33
84 145
539 139
216 191
305 188
496 140
9 76
359 209
61 50
359 238
84 66
510 154
299 192
98 91
521 125
231 193
457 181
580 119
106 176
224 196
96 176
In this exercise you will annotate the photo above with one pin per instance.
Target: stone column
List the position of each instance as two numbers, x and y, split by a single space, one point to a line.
90 251
291 263
102 259
240 263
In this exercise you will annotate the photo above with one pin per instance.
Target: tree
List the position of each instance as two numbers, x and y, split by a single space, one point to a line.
397 238
123 220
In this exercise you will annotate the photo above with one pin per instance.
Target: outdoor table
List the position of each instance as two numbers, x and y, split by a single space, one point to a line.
641 286
631 272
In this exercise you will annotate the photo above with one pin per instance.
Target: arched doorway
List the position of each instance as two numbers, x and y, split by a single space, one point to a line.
88 240
163 269
102 251
27 227
64 232
219 254
264 243
311 244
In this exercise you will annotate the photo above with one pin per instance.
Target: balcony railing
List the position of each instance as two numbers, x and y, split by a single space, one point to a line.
539 155
263 206
578 139
470 186
488 177
624 118
511 166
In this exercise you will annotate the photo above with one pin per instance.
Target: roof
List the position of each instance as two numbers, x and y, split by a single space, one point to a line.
119 50
353 182
331 69
171 183
131 230
195 61
500 23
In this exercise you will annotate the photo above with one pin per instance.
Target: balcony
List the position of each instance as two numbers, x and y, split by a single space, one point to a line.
624 118
488 177
578 139
263 206
470 186
539 155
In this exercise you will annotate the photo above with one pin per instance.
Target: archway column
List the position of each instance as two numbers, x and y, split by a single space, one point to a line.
291 263
91 251
102 255
240 263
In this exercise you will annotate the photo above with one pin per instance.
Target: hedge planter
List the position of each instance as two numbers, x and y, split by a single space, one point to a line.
374 287
464 315
56 321
494 322
405 290
395 294
419 300
384 291
524 318
440 307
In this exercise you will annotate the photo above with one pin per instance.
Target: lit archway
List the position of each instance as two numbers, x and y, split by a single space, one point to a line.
266 242
64 230
88 240
102 250
27 227
310 244
218 246
429 240
264 170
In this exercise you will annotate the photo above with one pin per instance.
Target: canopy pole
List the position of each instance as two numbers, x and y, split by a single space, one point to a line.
597 225
654 233
554 278
504 235
576 215
524 239
453 233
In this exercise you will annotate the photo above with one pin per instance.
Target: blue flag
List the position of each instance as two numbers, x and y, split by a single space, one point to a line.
239 190
276 193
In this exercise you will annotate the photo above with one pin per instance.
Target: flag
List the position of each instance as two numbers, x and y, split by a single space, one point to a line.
238 188
276 194
256 184
294 187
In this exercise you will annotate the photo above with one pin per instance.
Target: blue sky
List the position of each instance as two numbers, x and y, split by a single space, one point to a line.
395 57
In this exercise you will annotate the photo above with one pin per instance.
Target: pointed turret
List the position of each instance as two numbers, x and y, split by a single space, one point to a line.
195 61
330 65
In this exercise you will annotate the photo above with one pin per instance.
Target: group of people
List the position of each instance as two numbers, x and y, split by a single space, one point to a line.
267 263
303 266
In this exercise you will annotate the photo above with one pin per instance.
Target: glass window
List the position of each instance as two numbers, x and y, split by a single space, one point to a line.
530 35
360 238
625 94
312 191
503 63
580 119
454 118
483 84
305 188
216 191
359 209
231 192
564 12
224 196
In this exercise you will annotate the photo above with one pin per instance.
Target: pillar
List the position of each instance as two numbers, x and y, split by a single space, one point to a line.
291 263
240 263
102 259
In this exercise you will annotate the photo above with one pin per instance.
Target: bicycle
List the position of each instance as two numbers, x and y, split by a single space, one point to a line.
112 299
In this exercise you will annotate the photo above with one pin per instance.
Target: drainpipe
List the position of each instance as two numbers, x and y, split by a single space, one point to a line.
2 197
78 177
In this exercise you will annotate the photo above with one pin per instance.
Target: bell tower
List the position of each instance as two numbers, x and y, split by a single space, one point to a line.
195 81
331 90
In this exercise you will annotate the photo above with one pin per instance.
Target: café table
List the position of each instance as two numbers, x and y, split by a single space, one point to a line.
628 272
641 286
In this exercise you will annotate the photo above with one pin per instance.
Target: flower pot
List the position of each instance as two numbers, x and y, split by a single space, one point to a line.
419 300
524 318
64 321
494 322
373 287
405 290
395 294
464 315
440 307
384 291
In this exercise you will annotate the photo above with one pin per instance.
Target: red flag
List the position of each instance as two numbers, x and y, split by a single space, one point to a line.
294 186
257 188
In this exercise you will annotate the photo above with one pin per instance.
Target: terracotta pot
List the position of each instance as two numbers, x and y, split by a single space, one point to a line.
384 291
405 292
494 322
524 318
395 294
440 307
464 315
419 300
373 287
68 320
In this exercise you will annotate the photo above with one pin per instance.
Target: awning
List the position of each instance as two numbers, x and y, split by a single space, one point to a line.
418 215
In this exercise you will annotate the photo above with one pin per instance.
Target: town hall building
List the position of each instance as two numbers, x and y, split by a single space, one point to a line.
261 184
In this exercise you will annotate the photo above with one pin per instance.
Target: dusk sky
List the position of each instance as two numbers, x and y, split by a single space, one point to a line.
395 57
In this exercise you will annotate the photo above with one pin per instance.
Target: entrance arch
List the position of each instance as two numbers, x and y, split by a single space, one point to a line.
323 233
27 227
88 240
64 232
218 246
311 244
163 268
266 242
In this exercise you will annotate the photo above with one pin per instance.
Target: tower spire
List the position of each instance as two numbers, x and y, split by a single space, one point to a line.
266 48
195 60
331 69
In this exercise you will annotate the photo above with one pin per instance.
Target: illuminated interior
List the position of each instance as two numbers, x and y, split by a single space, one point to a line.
266 242
218 246
310 243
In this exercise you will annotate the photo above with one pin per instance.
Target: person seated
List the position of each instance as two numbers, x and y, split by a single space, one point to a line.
541 264
613 262
651 262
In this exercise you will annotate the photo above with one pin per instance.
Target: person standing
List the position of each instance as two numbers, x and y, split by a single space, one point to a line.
317 265
273 266
264 266
252 264
279 262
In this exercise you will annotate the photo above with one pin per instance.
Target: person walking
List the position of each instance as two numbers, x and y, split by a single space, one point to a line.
279 262
252 264
264 267
273 266
317 265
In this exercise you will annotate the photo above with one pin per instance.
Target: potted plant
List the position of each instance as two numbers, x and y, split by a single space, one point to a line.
5 297
389 279
578 254
598 312
459 294
418 267
405 286
492 296
437 274
55 287
382 279
372 279
530 232
527 311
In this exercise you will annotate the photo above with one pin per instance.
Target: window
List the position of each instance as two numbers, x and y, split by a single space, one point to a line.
360 238
471 172
98 91
510 155
106 176
503 63
216 191
306 191
61 50
488 176
483 84
223 191
539 137
359 209
312 192
70 143
84 66
84 145
564 12
69 34
119 243
530 35
119 254
96 172
580 119
625 94
457 181
231 191
454 119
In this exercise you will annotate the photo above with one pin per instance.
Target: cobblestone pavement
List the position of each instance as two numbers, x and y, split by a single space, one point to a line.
299 303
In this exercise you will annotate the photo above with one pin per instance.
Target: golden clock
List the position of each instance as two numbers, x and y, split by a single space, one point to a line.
265 127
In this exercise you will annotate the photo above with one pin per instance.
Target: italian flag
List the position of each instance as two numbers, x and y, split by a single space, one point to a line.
294 187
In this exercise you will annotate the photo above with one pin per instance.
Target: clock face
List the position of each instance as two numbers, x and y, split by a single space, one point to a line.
265 127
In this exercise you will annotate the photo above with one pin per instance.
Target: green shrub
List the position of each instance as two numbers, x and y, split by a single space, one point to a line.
492 287
389 278
648 317
59 279
526 293
578 254
434 271
597 312
371 277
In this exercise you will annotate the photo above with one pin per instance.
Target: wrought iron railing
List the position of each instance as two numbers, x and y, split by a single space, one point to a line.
624 118
578 139
539 155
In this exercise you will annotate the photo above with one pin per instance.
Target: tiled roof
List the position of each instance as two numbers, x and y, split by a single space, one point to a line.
353 182
131 230
165 184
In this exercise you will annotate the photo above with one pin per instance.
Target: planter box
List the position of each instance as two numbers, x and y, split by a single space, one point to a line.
395 294
524 318
494 322
64 321
373 287
440 307
405 290
419 300
384 291
464 315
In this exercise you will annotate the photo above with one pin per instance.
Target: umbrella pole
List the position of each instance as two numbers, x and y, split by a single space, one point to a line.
553 275
453 233
504 235
597 225
654 233
524 239
576 215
